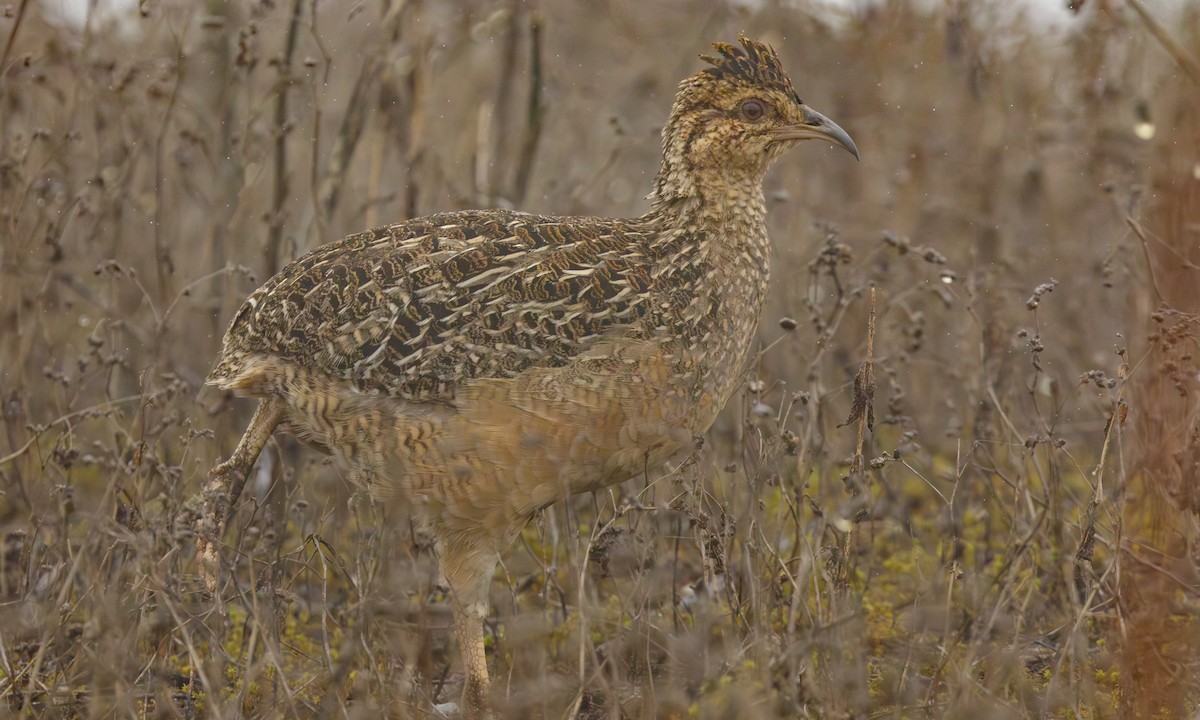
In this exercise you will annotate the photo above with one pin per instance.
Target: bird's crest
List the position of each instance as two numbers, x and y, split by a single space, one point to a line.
753 63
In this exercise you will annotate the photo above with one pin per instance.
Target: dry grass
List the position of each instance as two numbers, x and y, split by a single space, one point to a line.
1016 537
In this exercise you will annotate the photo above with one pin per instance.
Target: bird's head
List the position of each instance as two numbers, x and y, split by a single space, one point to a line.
735 117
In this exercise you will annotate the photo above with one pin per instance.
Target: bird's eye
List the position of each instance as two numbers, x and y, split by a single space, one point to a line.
753 110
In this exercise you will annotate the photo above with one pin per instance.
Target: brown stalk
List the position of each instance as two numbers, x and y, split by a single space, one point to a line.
1161 508
12 37
534 112
349 134
279 190
1182 58
162 254
417 83
320 226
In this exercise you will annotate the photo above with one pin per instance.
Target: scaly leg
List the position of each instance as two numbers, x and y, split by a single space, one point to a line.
467 569
225 484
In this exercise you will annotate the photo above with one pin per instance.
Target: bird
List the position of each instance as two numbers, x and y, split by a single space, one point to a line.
482 365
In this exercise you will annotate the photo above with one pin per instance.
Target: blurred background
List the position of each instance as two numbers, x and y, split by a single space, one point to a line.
1015 257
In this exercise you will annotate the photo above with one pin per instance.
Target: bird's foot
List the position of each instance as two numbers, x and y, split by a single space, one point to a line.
213 514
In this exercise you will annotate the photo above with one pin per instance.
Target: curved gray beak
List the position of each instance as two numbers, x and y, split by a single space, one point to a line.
816 126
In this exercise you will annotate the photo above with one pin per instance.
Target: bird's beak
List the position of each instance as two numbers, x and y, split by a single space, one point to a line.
815 126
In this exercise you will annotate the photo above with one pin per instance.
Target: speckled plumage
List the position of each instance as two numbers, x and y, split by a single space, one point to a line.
484 364
414 310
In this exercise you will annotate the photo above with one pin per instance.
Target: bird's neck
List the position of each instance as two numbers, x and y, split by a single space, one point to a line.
715 235
709 187
724 208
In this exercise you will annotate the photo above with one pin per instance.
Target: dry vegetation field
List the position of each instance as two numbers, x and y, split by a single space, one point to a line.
1020 537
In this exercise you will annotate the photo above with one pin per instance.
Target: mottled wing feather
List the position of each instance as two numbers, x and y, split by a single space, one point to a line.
411 310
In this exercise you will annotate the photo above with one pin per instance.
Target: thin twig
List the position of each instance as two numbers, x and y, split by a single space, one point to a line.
60 420
1181 57
534 111
279 190
349 134
12 38
162 255
869 371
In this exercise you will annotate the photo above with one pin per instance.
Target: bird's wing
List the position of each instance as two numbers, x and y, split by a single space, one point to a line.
413 310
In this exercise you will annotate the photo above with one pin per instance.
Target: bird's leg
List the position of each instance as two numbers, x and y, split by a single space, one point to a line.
225 484
467 569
